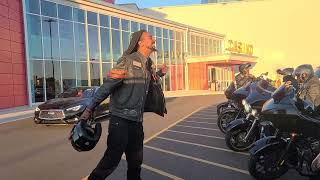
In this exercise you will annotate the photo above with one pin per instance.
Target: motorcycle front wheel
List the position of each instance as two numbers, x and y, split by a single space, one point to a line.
235 140
224 119
265 166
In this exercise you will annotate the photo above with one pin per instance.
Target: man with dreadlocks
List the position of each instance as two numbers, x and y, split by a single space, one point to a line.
132 86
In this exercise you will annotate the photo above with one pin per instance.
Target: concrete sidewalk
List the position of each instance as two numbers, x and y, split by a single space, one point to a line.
23 112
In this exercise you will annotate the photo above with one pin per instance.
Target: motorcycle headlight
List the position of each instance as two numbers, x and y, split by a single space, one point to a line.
75 108
247 107
37 109
254 113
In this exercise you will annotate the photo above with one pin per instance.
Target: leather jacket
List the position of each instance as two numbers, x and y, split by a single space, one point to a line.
310 90
128 85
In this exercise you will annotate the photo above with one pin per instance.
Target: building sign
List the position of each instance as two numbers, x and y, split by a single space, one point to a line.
239 47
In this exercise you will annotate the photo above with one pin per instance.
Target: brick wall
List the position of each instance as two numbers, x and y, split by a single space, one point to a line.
13 84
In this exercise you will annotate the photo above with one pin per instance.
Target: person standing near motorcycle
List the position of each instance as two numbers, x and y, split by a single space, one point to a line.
309 84
244 76
129 84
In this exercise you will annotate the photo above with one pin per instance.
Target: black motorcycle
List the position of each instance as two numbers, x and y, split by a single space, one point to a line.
231 113
242 133
229 95
296 142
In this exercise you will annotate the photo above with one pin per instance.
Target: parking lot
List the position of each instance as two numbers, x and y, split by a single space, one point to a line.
186 144
194 149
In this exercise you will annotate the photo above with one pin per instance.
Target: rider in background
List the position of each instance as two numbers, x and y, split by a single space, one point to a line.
244 76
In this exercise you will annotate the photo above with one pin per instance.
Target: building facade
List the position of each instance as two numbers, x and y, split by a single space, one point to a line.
58 44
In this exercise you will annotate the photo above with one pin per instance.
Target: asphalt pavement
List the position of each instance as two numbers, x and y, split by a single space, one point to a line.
186 144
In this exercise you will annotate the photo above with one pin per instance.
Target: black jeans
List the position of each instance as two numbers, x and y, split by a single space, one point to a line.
125 136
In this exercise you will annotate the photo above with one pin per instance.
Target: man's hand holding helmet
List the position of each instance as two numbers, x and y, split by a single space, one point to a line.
85 116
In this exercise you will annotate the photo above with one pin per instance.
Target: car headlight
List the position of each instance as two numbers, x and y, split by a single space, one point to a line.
37 109
75 108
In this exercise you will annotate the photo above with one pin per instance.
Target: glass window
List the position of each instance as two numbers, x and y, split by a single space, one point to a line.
80 42
105 44
48 8
94 54
104 20
116 45
151 30
37 81
95 74
167 80
172 52
166 51
134 26
159 32
165 33
82 74
170 34
34 37
106 67
115 23
65 12
32 6
78 15
68 75
160 50
92 18
125 24
178 50
144 27
66 40
125 40
53 78
50 38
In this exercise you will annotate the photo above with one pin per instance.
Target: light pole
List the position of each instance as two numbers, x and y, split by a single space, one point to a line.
50 20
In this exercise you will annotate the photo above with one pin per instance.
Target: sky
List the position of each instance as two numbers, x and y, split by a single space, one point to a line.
158 3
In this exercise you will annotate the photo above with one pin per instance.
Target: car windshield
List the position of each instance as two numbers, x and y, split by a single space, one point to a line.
77 92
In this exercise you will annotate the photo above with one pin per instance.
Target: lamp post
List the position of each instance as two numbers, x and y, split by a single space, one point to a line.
50 20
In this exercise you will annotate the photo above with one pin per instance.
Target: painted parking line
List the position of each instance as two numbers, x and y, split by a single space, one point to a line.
195 127
194 134
161 172
199 122
202 145
199 160
158 171
171 125
201 117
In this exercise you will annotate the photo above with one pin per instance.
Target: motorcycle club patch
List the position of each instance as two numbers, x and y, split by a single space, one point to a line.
136 63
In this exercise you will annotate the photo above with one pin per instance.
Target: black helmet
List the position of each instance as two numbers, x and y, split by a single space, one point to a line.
244 66
285 71
317 72
84 137
304 68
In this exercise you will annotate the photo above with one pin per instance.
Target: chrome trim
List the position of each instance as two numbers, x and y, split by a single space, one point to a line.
54 110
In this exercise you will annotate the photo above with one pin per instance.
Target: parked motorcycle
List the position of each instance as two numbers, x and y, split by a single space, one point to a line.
296 142
242 133
236 112
229 95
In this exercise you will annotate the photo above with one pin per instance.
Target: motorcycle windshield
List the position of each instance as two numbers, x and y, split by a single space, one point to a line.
229 91
282 92
243 91
258 93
